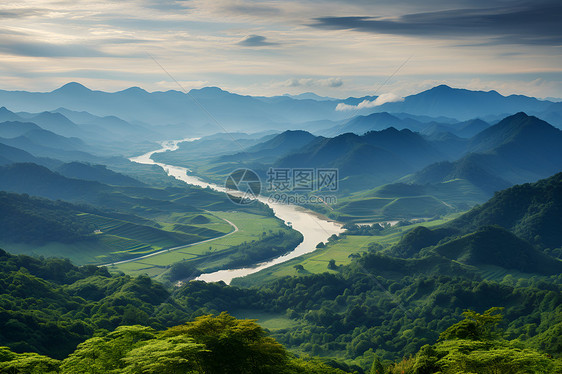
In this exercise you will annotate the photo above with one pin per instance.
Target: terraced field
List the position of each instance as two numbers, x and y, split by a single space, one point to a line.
209 254
119 239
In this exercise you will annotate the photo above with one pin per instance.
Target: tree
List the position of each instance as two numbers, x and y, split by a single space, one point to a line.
174 355
470 346
28 363
102 355
299 267
233 345
377 367
475 326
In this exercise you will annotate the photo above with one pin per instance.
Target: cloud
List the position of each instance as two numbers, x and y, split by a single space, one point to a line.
168 5
255 41
536 22
382 99
312 82
13 45
260 10
37 49
18 13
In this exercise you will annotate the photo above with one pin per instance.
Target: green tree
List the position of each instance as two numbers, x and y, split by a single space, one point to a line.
377 367
103 355
173 355
233 345
475 326
26 363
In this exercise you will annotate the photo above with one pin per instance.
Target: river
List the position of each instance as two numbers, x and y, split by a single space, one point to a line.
313 228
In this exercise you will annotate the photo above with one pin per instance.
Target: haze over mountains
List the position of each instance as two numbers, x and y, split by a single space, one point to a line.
454 145
176 111
438 195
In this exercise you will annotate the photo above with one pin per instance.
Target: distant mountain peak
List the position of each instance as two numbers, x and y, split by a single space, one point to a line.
442 87
134 89
210 89
518 115
72 88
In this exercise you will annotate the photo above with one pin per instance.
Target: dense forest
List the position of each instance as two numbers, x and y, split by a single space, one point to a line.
398 308
50 306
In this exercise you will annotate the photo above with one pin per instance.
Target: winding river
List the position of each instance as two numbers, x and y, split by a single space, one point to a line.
313 228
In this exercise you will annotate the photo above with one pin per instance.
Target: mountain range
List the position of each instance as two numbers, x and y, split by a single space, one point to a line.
213 109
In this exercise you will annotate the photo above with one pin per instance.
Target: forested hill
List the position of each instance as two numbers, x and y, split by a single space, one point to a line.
531 211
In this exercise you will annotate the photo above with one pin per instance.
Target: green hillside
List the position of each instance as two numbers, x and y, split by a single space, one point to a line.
493 245
89 235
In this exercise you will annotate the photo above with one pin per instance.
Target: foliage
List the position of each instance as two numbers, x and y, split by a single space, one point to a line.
233 345
208 345
28 363
475 326
268 246
480 351
29 219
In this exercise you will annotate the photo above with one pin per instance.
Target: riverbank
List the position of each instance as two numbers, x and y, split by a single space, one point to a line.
313 227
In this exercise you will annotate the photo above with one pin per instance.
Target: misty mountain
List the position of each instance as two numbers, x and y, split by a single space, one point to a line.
448 144
310 96
375 122
109 127
471 168
268 151
232 111
37 180
97 173
466 129
8 116
518 149
464 104
378 156
519 130
13 129
407 146
208 109
470 128
11 155
43 143
54 122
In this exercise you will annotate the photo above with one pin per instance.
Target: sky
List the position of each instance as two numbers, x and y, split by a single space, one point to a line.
333 48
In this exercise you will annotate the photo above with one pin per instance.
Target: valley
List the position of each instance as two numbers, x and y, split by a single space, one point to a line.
427 218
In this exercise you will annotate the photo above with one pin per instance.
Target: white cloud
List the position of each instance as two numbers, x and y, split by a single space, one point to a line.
382 99
312 82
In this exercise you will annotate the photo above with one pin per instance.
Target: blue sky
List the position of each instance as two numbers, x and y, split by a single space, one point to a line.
333 48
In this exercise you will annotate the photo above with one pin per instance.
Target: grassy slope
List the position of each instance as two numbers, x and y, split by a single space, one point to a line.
340 250
120 239
250 227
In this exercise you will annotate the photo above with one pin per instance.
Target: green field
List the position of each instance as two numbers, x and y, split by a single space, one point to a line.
271 321
118 239
403 201
317 262
207 254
